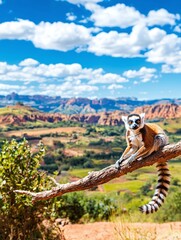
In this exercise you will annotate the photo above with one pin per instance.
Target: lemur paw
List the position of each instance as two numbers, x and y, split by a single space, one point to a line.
118 163
131 159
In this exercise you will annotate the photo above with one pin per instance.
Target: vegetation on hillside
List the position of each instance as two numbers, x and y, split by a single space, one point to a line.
72 153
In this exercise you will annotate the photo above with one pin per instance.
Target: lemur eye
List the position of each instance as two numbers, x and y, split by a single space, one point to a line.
138 121
130 122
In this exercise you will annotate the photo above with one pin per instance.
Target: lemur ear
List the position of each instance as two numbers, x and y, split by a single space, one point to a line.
124 118
142 115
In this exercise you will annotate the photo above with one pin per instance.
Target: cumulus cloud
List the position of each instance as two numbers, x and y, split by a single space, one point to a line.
6 68
108 78
142 40
178 28
118 15
19 30
29 62
57 36
145 74
123 44
161 17
60 36
70 36
123 16
31 70
67 89
8 88
66 79
168 52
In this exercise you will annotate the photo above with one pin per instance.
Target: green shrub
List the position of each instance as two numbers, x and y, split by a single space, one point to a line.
88 164
19 218
78 161
50 168
78 206
49 159
98 209
70 206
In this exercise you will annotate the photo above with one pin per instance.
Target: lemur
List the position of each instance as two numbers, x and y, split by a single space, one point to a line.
142 140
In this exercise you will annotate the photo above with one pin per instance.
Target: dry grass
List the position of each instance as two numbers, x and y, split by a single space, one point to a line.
123 231
148 231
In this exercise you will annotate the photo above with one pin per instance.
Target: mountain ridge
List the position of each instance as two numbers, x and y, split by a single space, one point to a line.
80 105
20 115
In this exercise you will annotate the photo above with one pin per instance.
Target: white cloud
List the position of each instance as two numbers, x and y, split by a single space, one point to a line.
115 86
123 44
20 30
57 36
123 16
178 28
31 70
29 62
107 79
60 36
70 36
9 88
71 17
142 41
168 52
118 15
5 68
52 79
161 17
67 89
145 74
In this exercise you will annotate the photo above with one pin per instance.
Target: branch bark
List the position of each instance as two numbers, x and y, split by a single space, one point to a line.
105 175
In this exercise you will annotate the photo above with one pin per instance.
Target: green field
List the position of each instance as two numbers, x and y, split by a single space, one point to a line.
79 173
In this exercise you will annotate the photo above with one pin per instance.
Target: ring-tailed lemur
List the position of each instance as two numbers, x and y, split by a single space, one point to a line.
142 140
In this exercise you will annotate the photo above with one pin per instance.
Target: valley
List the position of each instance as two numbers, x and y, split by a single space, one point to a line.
75 147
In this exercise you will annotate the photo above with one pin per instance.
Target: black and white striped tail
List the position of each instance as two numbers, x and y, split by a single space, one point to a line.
161 190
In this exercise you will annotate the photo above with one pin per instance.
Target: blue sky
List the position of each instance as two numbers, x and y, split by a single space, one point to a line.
91 48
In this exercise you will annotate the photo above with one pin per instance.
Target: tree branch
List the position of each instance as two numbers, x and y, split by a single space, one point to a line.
105 175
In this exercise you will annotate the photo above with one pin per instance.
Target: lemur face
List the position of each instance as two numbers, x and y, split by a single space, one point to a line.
134 121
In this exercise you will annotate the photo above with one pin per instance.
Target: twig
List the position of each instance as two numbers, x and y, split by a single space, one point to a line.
54 181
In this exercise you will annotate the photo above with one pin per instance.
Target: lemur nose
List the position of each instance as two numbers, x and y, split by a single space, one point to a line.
134 126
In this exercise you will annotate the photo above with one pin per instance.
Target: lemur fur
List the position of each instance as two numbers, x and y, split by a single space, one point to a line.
142 140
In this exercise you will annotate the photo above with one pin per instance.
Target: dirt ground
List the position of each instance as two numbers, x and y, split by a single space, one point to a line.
39 131
120 231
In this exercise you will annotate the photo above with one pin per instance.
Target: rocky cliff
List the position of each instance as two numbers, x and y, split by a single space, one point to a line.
160 111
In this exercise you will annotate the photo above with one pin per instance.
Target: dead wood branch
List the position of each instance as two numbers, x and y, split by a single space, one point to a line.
105 175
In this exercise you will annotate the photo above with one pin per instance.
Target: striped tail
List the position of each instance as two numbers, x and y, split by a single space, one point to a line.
161 190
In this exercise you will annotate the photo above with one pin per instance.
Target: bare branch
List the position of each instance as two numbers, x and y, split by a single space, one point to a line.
105 175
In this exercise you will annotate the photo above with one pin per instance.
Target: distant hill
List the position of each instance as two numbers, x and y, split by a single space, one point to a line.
160 111
19 115
80 105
